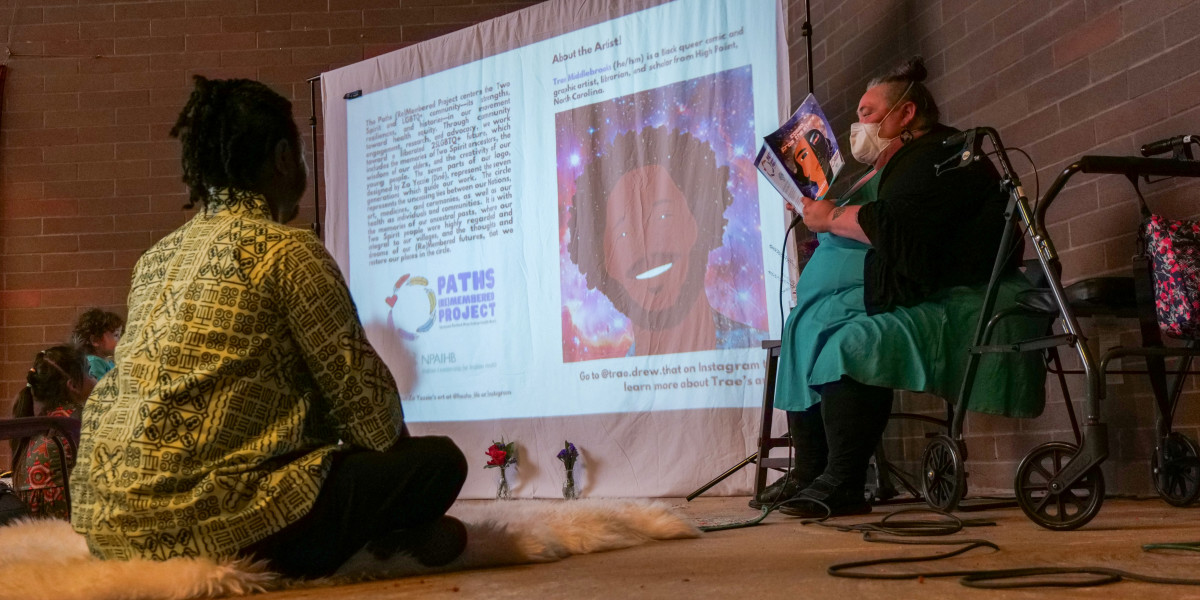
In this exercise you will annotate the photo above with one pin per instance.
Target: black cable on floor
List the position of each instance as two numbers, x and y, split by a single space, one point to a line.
894 524
1188 546
1017 578
842 569
766 510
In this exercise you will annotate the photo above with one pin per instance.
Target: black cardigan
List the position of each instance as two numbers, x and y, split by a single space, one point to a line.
930 232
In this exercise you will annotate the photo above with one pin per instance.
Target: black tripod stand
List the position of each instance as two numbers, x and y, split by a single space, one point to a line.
762 457
765 441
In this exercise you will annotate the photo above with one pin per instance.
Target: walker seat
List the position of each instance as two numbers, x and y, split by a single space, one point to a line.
1089 297
1059 485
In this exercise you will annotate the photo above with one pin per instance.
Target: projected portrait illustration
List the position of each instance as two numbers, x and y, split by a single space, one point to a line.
659 238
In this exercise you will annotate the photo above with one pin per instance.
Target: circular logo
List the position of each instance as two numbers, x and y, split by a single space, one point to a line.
413 306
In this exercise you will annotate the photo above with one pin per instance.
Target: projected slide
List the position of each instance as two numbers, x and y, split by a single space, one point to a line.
661 241
576 226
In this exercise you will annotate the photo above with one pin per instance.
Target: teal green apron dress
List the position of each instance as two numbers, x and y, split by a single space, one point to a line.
920 348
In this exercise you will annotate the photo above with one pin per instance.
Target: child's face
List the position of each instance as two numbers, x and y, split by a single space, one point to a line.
108 342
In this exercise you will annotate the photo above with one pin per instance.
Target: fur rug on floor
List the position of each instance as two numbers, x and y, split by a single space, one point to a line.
48 560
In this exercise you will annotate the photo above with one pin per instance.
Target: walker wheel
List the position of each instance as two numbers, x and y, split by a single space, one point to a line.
943 476
1175 469
1063 510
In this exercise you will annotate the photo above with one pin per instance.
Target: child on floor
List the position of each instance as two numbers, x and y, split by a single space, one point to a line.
56 386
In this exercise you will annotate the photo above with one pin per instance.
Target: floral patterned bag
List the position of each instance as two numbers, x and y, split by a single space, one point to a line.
1174 251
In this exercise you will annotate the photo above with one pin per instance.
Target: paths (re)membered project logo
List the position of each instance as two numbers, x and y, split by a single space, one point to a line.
467 298
413 306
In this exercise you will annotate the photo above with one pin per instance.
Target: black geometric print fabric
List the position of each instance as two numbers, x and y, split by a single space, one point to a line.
242 365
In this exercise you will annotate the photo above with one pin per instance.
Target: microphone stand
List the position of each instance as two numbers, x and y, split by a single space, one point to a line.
806 31
316 175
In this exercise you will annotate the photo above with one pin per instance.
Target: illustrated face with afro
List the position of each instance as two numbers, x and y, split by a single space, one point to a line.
645 215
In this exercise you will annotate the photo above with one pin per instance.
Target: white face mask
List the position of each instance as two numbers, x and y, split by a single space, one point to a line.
865 143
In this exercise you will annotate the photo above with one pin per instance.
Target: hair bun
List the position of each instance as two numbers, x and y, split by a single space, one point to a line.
914 69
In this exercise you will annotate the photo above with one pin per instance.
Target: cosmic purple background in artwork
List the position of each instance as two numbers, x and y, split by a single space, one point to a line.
717 109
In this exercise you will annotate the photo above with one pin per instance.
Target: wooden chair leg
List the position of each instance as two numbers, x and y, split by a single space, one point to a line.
766 442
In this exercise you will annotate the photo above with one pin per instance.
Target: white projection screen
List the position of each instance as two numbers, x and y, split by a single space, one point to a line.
551 225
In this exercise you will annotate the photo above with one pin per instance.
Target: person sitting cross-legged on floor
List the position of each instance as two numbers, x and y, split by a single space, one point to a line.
247 414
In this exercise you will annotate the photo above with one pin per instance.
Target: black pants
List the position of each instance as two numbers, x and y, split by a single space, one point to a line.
850 418
368 494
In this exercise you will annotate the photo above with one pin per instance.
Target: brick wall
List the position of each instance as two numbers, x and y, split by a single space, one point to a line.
89 178
1060 79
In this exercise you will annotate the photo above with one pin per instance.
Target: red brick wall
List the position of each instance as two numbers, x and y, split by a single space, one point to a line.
1061 79
89 178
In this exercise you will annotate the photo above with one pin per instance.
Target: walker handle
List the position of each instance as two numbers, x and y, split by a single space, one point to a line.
1162 146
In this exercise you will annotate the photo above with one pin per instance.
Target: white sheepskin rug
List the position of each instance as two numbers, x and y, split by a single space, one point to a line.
45 559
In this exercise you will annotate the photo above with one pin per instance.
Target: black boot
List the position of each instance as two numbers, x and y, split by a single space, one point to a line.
854 416
433 545
809 451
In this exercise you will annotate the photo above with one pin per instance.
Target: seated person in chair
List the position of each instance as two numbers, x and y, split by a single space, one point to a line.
247 414
56 385
890 298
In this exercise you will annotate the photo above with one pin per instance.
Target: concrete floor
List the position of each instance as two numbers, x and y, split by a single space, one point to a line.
782 558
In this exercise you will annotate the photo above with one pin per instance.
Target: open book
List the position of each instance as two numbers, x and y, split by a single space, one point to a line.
801 158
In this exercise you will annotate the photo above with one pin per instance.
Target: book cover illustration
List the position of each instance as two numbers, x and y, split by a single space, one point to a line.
801 158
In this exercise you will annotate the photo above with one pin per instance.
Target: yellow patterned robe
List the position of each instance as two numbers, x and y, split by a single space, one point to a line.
242 365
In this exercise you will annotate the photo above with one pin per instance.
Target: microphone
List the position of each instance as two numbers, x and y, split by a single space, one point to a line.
970 152
956 138
1167 145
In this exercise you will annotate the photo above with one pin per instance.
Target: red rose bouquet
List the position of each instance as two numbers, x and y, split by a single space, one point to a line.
502 455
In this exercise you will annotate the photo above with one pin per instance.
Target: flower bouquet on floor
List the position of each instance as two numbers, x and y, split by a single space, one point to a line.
502 455
568 455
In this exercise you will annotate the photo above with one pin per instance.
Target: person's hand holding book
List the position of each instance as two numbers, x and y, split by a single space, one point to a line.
817 215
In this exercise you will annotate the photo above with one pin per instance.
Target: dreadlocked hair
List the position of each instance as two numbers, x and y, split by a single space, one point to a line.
46 382
229 129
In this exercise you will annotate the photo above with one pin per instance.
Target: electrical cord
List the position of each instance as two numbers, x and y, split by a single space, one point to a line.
1037 181
768 509
782 264
843 569
892 524
997 579
1016 578
1037 186
1188 546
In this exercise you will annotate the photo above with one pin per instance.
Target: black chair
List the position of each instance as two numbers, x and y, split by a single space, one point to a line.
881 476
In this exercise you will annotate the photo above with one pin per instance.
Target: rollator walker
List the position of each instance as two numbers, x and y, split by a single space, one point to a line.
1059 485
